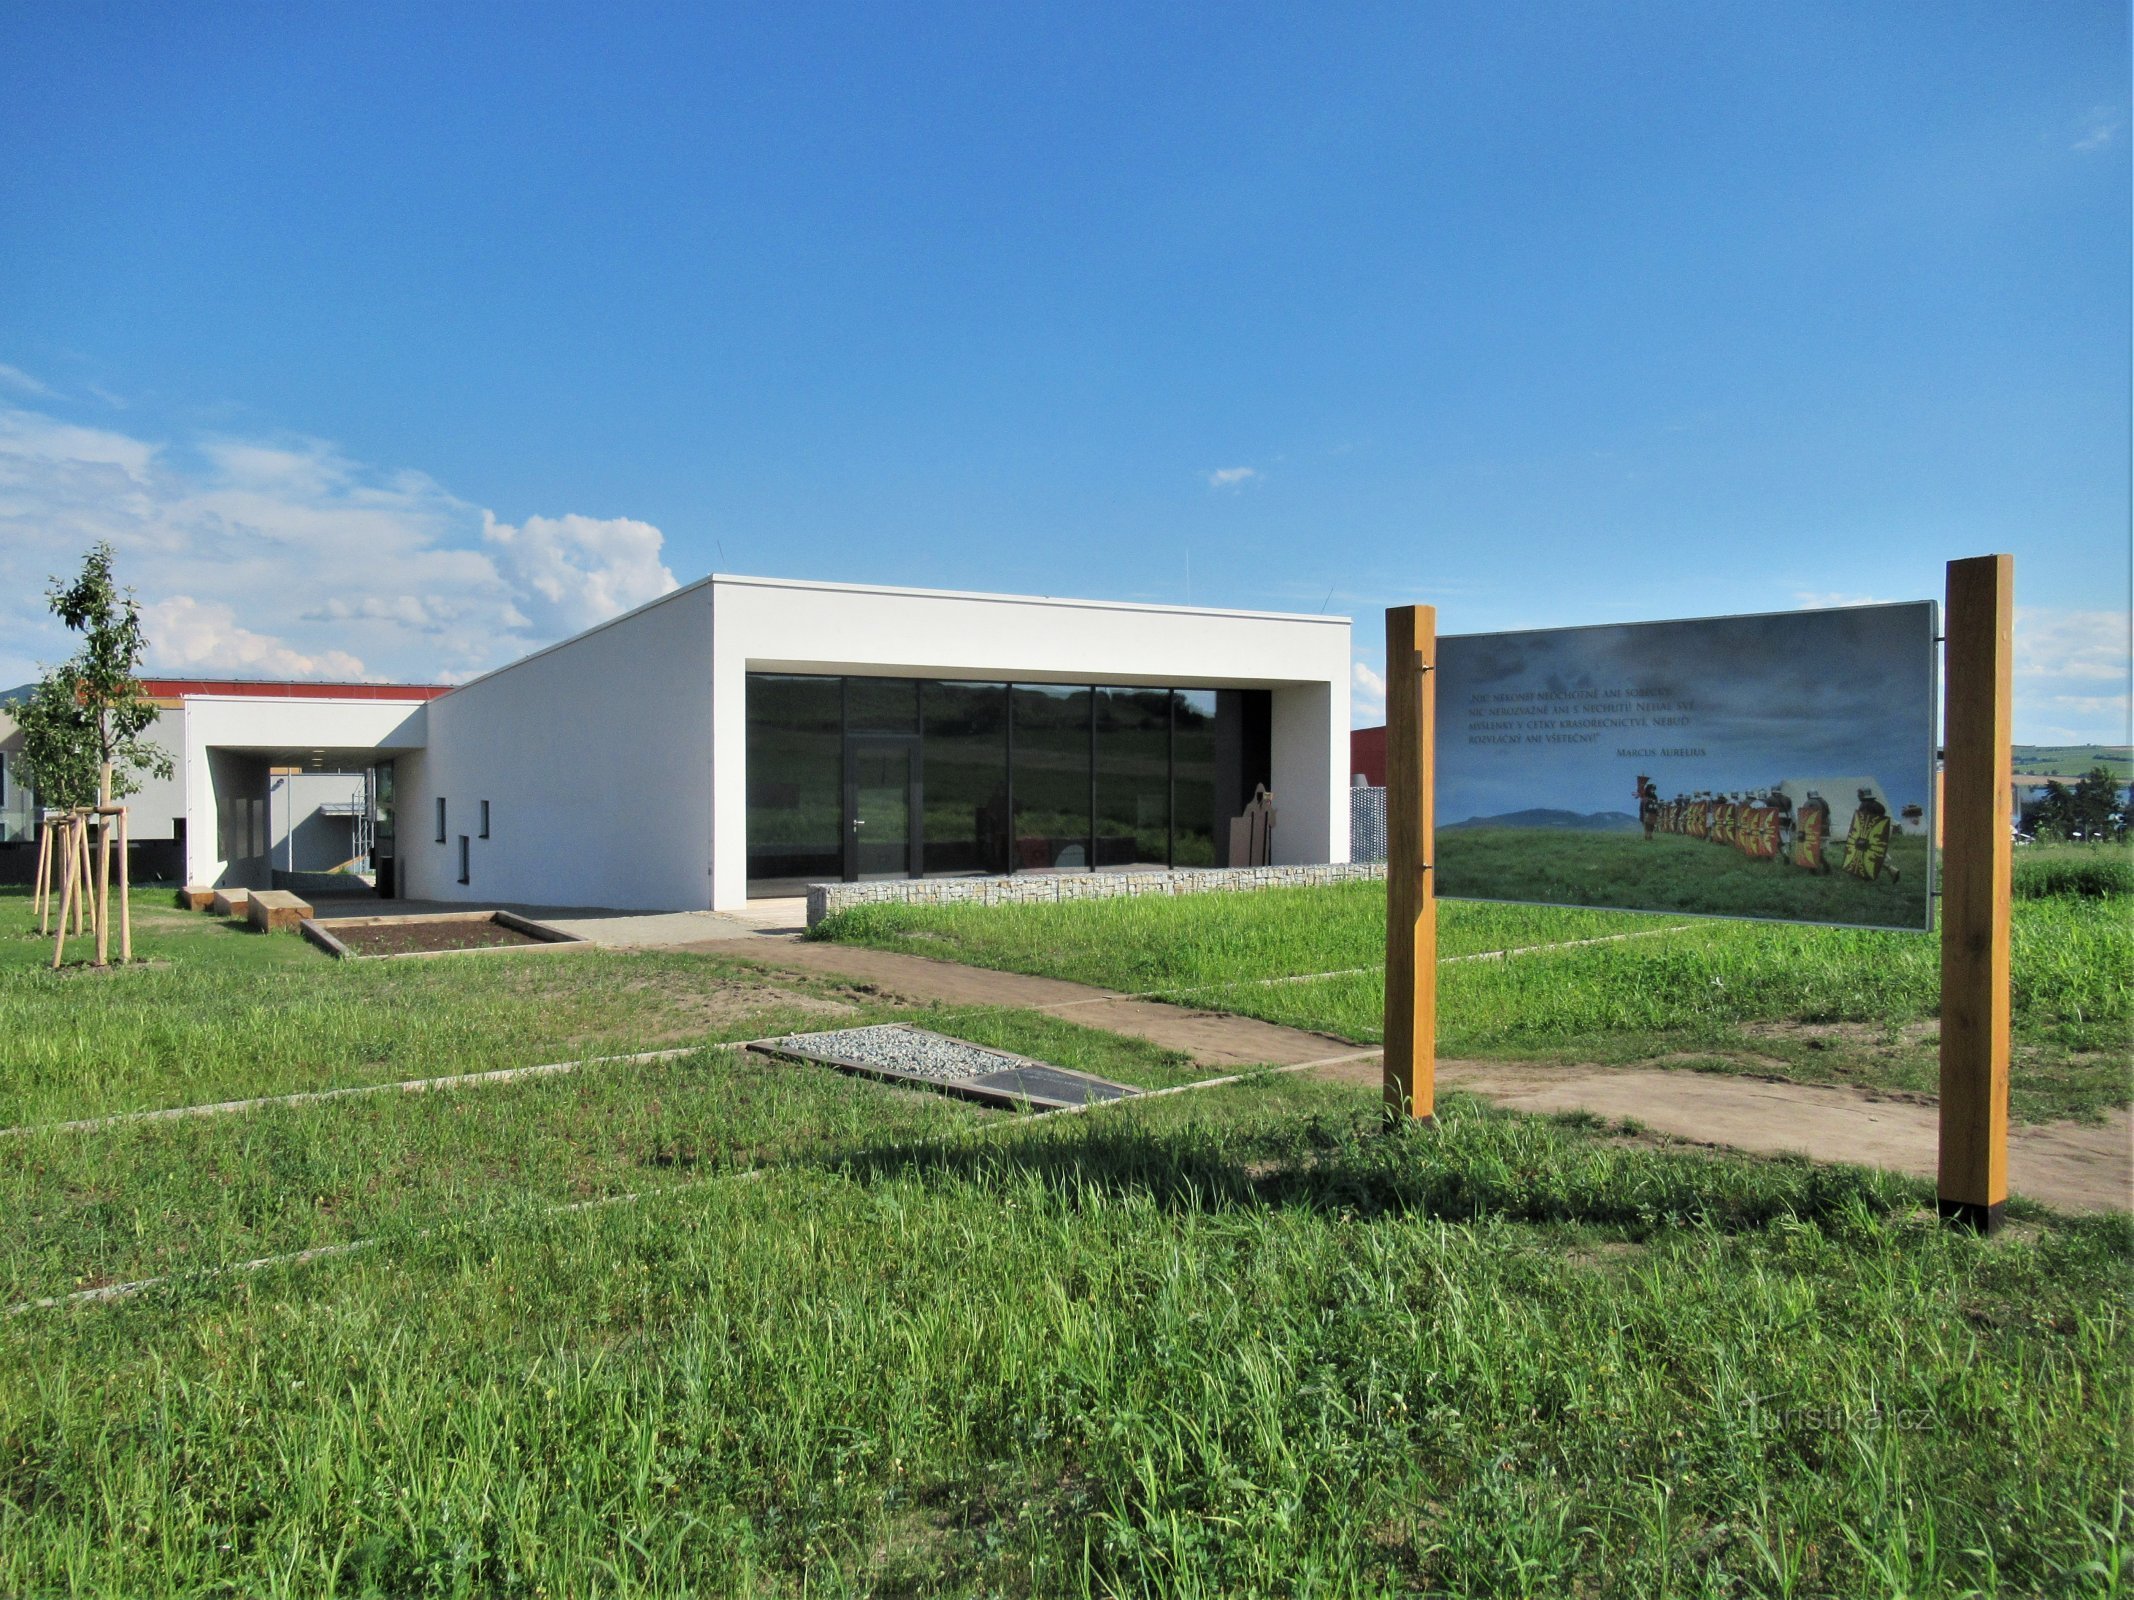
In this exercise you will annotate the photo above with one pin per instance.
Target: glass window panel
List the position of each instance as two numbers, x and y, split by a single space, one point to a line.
966 776
1195 811
796 777
882 705
1133 777
1051 777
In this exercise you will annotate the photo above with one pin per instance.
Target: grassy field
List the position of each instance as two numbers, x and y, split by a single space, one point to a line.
2073 760
1819 1004
803 1335
1674 872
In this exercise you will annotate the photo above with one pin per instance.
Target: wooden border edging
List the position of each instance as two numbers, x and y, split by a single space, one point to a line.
548 938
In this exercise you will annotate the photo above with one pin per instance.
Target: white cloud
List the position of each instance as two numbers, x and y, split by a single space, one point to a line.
2098 129
1811 600
285 558
193 636
1232 477
1367 699
577 571
2072 676
15 378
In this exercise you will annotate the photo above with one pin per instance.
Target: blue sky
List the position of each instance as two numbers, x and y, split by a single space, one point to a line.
392 341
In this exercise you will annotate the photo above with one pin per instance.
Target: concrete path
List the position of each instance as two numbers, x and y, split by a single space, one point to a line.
2071 1166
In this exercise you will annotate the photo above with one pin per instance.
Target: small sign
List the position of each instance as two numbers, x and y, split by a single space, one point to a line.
1777 766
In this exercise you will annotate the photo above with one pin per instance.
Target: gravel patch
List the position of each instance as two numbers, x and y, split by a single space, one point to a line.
893 1047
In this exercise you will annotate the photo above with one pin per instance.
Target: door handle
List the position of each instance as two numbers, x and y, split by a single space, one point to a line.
859 822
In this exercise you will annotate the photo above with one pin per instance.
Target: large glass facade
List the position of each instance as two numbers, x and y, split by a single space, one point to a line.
796 781
1133 777
966 777
1196 817
868 777
1050 776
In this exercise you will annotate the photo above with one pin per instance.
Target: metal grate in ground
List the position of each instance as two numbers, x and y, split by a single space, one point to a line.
897 1052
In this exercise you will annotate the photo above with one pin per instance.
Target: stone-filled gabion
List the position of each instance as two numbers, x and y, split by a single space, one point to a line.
1023 888
895 1048
1367 824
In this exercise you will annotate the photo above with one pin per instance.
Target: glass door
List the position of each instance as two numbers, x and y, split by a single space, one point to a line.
882 807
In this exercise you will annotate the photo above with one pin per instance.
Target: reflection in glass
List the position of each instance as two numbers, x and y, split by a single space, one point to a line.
966 762
1133 777
796 776
881 806
1170 769
882 705
1051 777
1195 812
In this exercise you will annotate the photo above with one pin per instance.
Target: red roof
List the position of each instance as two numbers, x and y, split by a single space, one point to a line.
278 689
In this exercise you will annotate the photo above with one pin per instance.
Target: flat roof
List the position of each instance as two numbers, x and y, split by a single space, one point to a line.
907 592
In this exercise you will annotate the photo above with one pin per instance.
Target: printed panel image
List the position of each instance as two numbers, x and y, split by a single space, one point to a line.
1777 766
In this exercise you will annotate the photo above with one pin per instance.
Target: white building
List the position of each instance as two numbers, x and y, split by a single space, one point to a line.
262 773
746 736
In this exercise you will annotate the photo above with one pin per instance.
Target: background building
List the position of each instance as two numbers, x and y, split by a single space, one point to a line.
748 736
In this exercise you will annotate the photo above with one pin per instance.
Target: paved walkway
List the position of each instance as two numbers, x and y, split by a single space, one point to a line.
2071 1166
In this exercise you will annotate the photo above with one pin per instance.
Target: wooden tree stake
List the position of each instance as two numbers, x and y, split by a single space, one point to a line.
66 891
1411 895
79 834
125 880
1977 865
43 900
103 888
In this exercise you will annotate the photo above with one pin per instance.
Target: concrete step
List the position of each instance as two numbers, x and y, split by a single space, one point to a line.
275 910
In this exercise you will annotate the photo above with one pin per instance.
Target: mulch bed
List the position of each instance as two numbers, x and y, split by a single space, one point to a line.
407 938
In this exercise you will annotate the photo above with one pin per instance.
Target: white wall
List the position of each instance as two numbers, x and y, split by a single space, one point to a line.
224 743
321 842
595 758
780 626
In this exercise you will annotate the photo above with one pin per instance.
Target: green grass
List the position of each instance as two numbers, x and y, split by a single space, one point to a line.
215 1010
2095 871
857 1340
2073 760
1820 1004
1674 872
1228 1345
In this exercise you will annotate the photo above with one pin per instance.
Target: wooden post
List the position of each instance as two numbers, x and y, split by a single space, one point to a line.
78 837
1411 895
125 905
42 903
1977 864
103 888
66 892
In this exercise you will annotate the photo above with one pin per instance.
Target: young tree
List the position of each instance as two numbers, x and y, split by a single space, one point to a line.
83 723
2094 800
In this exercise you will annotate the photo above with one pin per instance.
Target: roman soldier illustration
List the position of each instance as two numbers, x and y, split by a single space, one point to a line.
1867 841
1648 805
1811 829
1764 838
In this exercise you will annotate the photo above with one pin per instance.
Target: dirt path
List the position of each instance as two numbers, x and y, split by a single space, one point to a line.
2072 1166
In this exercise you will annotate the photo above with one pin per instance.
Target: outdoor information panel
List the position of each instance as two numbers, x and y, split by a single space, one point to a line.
1774 766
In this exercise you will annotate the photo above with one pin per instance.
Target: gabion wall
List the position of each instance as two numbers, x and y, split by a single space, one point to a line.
826 898
1367 825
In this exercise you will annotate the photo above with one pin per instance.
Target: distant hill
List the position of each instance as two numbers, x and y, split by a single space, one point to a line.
2073 760
1568 821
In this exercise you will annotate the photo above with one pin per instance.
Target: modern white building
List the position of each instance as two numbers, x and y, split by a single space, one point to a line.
744 737
262 776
